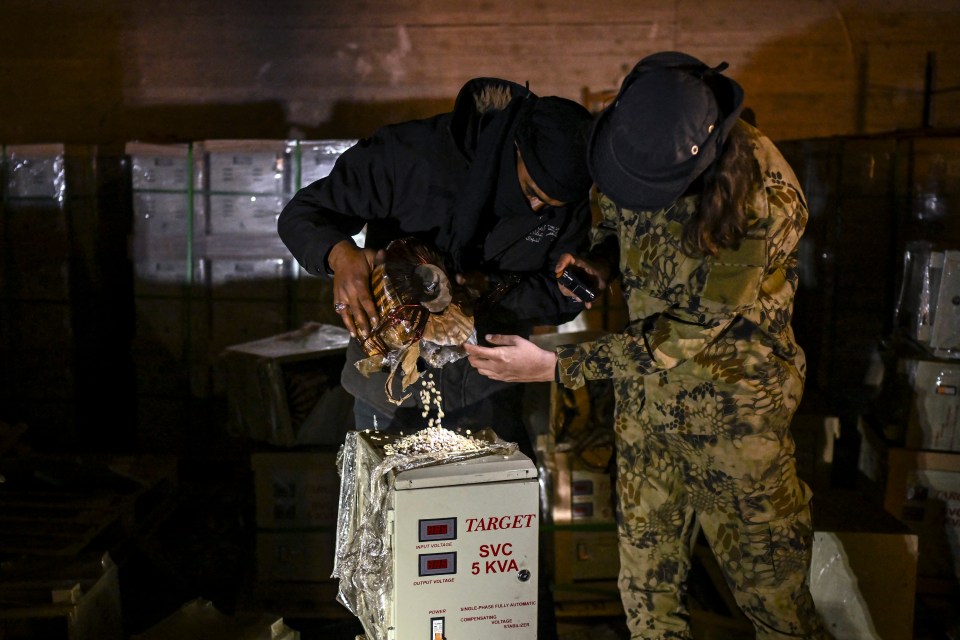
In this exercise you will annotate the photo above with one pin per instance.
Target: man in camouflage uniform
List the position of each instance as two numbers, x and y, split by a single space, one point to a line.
707 374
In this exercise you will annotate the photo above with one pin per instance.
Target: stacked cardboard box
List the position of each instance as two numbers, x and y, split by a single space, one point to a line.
169 313
857 596
297 497
285 389
210 270
284 392
574 436
65 319
921 488
910 455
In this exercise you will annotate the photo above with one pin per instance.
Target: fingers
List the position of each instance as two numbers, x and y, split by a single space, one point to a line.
565 261
476 352
361 326
568 294
343 310
365 317
514 359
356 308
351 288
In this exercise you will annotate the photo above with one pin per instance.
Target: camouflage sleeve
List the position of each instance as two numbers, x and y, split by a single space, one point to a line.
604 237
663 342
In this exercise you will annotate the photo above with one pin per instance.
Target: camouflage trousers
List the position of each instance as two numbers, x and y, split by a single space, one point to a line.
753 510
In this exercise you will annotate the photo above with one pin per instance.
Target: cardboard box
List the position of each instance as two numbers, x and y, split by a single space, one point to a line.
36 171
317 157
247 166
53 171
586 564
162 167
254 214
858 595
923 490
296 556
286 390
581 494
161 214
296 489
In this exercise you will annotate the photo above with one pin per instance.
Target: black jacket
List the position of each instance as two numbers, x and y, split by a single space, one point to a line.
451 181
448 180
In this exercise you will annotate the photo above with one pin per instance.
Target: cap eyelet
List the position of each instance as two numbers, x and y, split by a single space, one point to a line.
694 150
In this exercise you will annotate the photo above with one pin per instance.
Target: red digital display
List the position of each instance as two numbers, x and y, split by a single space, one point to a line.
437 564
433 529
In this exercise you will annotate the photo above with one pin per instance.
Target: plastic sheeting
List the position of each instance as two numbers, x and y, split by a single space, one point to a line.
836 592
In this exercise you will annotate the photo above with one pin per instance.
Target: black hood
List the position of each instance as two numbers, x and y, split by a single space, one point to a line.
479 98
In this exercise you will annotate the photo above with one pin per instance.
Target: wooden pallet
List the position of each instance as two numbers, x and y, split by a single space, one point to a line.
60 599
60 505
297 599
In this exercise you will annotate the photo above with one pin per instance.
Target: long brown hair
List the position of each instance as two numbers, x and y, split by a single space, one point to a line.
721 220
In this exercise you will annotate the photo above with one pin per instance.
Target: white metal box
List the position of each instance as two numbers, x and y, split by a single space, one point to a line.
162 167
247 166
934 416
465 539
440 541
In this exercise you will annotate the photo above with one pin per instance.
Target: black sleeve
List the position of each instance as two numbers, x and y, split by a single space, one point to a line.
334 208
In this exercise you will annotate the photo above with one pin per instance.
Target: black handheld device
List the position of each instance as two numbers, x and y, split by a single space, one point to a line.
576 286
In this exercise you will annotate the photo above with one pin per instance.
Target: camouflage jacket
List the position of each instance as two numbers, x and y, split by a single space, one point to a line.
709 338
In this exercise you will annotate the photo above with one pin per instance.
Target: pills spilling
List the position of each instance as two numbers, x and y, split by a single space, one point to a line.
431 401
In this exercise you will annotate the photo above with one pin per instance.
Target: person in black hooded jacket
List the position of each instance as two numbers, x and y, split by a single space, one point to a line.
500 187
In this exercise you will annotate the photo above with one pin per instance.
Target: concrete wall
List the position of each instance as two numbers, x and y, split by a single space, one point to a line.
180 70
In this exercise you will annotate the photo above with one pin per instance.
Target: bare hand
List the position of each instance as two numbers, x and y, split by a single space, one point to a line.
597 271
517 360
351 268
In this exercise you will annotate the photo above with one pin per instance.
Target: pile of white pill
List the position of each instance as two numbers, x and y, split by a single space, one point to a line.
433 440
